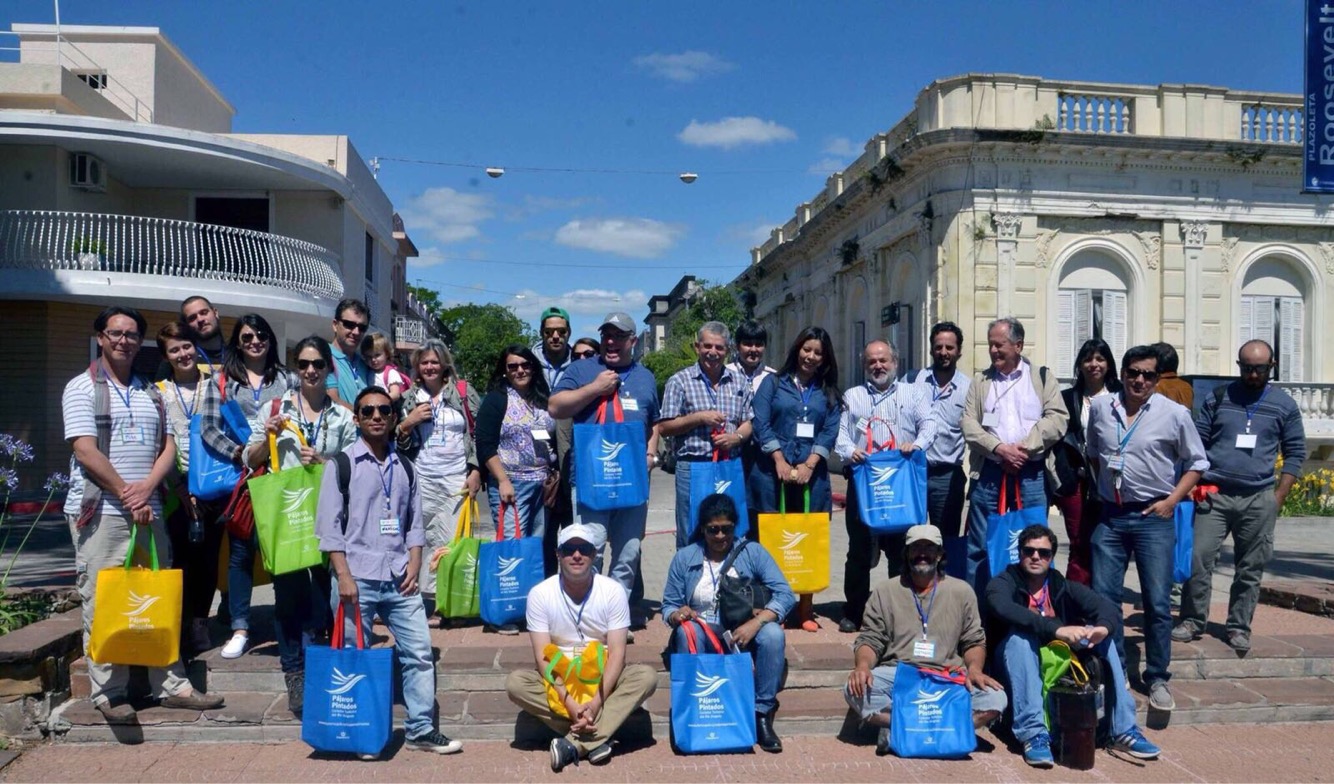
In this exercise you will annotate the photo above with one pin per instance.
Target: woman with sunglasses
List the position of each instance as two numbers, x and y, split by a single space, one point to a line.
252 377
301 598
437 431
1077 497
691 594
585 348
797 413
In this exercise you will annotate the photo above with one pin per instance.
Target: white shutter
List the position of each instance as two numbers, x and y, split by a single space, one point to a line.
1064 339
1083 317
1291 315
1262 320
1114 322
1246 319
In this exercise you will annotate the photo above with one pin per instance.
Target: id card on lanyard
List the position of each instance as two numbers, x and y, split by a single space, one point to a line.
925 646
805 427
1117 462
1248 440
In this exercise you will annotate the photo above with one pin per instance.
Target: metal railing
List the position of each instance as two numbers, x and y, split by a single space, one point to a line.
46 240
67 55
410 330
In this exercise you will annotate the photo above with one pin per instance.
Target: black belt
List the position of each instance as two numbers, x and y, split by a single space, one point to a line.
695 458
941 468
1130 506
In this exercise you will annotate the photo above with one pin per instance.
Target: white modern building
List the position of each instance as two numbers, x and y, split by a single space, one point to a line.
1132 213
122 183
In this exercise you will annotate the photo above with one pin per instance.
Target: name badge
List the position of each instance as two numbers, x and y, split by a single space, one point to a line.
924 649
1246 440
629 404
861 423
990 419
389 526
1116 464
805 430
541 434
130 434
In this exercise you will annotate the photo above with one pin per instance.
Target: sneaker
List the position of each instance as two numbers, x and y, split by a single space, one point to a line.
509 629
436 742
1160 697
601 755
882 742
369 757
235 646
629 636
1037 751
849 626
1136 745
563 753
193 701
117 713
1185 632
296 691
1239 640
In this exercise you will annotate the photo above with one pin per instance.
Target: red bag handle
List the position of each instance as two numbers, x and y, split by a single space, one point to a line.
1018 497
617 412
958 676
337 641
717 432
708 632
871 446
500 522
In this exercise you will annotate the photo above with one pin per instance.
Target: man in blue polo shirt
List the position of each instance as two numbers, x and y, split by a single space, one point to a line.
350 375
584 385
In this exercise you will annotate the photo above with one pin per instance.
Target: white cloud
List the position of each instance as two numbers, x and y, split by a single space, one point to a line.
841 147
592 304
827 166
427 257
446 215
753 234
684 67
732 132
636 238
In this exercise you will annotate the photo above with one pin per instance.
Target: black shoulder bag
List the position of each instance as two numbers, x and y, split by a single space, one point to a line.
739 597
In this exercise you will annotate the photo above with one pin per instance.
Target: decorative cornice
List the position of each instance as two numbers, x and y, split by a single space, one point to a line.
1229 252
1153 247
1045 238
1327 250
1194 233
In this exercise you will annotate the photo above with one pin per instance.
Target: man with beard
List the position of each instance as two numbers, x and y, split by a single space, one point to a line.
898 415
1138 442
707 408
921 617
944 459
556 356
751 339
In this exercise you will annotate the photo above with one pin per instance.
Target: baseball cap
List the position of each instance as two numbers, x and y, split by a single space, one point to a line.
924 533
588 533
621 321
554 311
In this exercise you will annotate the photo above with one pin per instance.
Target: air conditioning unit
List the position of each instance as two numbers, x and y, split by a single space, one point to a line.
87 172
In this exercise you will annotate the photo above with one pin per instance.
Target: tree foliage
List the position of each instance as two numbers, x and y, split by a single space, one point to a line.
707 303
476 334
429 298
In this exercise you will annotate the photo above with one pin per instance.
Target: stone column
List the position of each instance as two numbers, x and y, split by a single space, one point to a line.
1007 225
1193 236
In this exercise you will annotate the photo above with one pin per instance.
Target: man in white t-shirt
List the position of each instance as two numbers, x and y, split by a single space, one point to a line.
571 609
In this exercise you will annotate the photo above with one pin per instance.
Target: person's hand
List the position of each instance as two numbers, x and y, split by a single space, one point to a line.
585 717
409 585
1012 456
135 494
782 468
550 486
726 441
440 552
605 383
907 449
804 473
473 483
142 515
858 456
419 413
711 418
743 634
506 488
1164 509
274 425
980 680
1073 636
347 589
684 614
859 681
1096 634
309 456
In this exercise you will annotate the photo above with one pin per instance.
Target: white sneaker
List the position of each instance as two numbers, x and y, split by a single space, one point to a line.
235 646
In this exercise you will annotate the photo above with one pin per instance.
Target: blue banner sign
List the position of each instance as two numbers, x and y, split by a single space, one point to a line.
1318 168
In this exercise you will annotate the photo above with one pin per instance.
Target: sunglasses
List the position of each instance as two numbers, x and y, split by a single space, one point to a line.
1147 375
1045 553
552 332
516 366
1247 368
384 410
115 335
714 530
584 549
584 354
254 337
306 364
354 326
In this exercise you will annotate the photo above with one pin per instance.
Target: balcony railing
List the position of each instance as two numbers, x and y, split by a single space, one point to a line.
409 330
1316 402
44 240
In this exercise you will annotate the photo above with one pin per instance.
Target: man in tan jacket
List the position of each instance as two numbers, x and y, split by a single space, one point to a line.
1011 419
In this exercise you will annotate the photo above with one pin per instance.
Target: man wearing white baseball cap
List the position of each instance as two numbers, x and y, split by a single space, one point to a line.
571 610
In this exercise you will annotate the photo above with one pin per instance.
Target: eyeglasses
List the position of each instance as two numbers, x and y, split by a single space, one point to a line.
115 335
354 326
583 548
1147 375
584 354
517 366
255 337
553 331
714 530
1045 553
384 410
1246 368
306 364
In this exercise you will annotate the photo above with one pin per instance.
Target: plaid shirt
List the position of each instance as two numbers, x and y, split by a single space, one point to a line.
210 407
688 391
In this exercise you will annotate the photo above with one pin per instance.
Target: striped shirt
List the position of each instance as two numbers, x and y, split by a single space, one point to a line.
948 448
689 391
901 412
136 433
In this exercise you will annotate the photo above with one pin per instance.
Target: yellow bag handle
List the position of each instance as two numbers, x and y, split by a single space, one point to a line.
1077 671
467 513
273 443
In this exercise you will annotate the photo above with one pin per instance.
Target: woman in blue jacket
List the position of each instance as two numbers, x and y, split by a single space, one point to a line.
692 593
797 412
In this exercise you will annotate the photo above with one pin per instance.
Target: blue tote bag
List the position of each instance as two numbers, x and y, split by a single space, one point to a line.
931 714
1184 552
510 568
611 461
891 488
348 694
713 698
720 476
212 476
1003 527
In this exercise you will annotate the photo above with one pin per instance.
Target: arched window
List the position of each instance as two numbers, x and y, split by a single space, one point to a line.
1092 301
1273 309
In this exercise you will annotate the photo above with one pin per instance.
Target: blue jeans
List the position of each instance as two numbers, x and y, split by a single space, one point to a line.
406 618
624 531
879 697
983 500
1018 659
240 578
1121 533
528 500
769 649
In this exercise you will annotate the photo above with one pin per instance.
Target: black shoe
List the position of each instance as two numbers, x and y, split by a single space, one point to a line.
882 742
601 755
296 691
765 735
563 753
849 626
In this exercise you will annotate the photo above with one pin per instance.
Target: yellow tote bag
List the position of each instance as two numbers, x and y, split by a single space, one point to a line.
581 675
799 543
137 612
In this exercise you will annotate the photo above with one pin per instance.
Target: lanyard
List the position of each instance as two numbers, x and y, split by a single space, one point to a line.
387 480
190 409
578 619
124 398
207 360
870 390
1120 427
925 614
805 396
254 391
708 387
939 393
1042 598
1250 410
312 431
995 403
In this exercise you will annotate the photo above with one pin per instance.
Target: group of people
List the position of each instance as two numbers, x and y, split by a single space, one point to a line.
1114 453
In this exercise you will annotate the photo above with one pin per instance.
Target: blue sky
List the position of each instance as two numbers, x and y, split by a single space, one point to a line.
762 100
